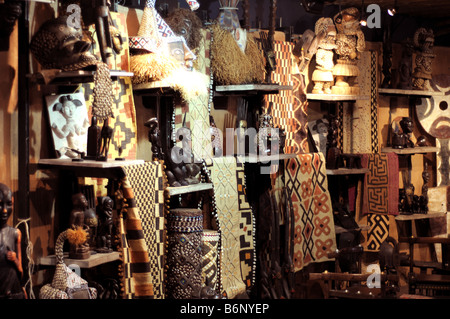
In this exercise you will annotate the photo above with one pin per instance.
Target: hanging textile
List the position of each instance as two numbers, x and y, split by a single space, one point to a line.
306 180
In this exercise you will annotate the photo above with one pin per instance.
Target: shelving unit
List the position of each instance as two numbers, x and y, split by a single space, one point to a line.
189 189
347 171
387 91
335 97
93 261
75 77
410 151
250 89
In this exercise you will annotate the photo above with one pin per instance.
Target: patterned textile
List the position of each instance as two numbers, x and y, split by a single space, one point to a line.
124 121
306 181
381 184
289 107
300 106
378 231
197 110
210 241
184 256
236 221
136 274
147 182
374 102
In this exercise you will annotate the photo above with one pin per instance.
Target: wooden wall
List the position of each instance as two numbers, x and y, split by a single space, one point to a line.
44 184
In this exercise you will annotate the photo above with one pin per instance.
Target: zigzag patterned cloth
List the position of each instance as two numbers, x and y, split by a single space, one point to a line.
381 184
210 240
236 225
306 181
378 231
289 107
137 280
146 182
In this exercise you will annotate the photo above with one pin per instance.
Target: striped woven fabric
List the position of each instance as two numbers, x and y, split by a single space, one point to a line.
147 182
136 275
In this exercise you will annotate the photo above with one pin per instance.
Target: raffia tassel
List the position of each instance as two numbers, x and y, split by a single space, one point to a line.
77 236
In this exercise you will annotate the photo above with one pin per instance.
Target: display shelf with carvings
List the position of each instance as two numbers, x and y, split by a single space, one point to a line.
200 187
96 259
335 97
347 171
387 91
73 77
411 150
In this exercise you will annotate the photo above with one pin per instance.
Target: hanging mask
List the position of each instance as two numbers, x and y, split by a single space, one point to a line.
56 45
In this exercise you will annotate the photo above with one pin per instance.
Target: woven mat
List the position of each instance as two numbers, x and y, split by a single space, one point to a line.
306 180
147 183
381 184
236 226
289 107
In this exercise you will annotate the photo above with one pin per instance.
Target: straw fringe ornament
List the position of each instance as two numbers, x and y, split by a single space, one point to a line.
230 65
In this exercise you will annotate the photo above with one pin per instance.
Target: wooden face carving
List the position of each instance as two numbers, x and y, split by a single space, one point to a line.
434 116
57 45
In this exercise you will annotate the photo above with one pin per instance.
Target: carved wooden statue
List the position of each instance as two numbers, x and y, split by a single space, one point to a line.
78 234
10 250
323 74
105 213
407 127
106 135
333 152
405 67
154 137
423 42
93 140
350 42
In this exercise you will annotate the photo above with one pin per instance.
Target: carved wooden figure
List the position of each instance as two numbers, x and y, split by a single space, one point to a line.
10 250
423 42
94 140
106 135
79 245
323 74
350 42
105 213
154 137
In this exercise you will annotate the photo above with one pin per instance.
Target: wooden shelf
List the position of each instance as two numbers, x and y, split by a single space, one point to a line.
347 171
264 158
76 77
93 261
153 88
189 189
335 97
89 168
411 150
420 216
388 91
341 230
248 89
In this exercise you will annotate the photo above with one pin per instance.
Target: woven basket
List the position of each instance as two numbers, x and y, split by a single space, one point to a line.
66 284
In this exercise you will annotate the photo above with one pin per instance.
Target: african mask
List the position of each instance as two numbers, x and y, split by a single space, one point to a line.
56 45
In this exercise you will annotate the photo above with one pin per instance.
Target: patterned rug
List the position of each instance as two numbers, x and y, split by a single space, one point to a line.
147 183
306 181
381 184
236 225
378 231
289 106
